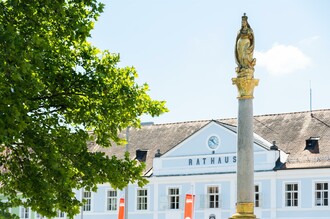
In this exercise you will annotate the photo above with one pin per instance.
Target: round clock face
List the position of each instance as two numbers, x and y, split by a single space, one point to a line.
213 142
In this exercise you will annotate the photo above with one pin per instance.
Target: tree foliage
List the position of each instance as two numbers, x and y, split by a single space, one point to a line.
55 87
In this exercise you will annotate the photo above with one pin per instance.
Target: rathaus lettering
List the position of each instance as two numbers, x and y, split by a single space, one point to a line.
212 160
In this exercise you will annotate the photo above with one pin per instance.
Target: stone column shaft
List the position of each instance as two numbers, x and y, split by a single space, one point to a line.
245 161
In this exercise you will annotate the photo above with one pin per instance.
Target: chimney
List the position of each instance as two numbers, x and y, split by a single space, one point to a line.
274 146
158 154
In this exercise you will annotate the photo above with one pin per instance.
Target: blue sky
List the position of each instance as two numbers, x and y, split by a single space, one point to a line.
184 50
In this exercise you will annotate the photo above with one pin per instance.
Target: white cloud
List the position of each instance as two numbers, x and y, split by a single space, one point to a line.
282 59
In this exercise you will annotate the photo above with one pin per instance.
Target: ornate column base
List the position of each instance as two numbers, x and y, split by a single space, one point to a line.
244 210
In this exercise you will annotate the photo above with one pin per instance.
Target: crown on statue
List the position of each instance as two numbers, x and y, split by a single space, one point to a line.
244 17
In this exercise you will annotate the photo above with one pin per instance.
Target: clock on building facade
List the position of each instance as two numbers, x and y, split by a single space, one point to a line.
213 142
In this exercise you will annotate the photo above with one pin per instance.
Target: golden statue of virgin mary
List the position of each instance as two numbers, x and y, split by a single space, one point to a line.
244 48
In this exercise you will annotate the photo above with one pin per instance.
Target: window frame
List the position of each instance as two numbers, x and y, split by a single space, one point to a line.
177 202
37 215
322 192
90 198
114 198
138 199
214 195
26 210
59 214
285 192
259 195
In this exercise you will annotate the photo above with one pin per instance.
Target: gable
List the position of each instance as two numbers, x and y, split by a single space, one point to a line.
200 153
197 144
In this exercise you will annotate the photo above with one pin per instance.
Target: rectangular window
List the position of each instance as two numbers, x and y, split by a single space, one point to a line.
213 196
60 214
291 195
321 194
39 216
111 200
88 201
256 196
25 213
142 199
173 198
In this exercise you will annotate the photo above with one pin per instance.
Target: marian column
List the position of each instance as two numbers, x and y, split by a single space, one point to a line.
245 83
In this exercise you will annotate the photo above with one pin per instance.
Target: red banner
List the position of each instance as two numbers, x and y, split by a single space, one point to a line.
121 212
189 206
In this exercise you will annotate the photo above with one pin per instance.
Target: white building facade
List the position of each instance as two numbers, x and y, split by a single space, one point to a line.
291 179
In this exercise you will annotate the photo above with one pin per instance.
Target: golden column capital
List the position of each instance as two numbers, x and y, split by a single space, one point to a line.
245 86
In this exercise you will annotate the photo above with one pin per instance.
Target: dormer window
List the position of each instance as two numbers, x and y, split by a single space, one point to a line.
141 155
312 144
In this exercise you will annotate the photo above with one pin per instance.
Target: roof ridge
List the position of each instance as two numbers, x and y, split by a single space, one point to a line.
297 112
182 122
230 118
219 121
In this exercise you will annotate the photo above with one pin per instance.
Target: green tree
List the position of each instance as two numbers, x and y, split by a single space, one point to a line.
55 87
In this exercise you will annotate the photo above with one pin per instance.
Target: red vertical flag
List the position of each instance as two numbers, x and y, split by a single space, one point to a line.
121 212
189 206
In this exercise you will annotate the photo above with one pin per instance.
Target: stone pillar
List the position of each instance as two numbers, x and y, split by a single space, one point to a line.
245 167
245 160
245 83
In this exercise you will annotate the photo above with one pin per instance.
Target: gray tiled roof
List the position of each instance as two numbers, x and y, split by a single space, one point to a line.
289 130
153 137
